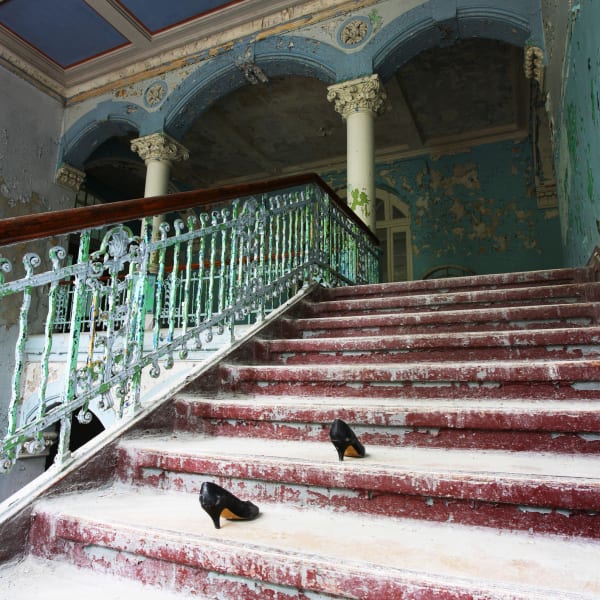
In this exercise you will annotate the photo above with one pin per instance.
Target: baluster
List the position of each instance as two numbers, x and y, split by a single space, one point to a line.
212 267
160 291
200 297
233 256
260 260
30 261
271 275
56 255
223 260
187 288
79 297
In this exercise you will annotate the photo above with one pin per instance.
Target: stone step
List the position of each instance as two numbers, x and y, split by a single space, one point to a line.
481 345
510 424
482 319
543 492
481 282
58 579
165 539
574 379
558 294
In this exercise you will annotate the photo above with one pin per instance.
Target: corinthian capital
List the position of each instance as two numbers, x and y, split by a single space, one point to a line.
358 95
159 146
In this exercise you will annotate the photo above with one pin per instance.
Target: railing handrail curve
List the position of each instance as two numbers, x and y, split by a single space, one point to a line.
45 224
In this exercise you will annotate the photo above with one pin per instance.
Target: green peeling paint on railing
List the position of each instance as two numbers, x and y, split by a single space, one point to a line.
228 265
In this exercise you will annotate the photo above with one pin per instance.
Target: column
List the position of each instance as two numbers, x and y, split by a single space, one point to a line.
359 101
158 151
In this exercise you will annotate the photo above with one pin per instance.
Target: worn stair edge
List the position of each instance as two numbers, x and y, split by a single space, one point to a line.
497 280
371 558
552 493
561 294
34 577
559 315
585 370
539 343
561 426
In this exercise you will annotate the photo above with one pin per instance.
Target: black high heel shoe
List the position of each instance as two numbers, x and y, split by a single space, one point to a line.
218 502
345 441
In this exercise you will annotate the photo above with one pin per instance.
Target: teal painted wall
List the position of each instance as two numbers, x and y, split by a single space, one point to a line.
477 209
578 135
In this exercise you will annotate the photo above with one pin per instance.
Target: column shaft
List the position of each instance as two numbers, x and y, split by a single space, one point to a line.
359 101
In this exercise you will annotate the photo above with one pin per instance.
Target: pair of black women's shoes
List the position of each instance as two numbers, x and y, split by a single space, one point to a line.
218 502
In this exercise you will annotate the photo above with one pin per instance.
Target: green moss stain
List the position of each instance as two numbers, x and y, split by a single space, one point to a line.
593 98
360 200
590 182
376 20
571 123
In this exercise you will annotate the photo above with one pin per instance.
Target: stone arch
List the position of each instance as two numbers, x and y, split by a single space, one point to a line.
436 23
107 120
276 57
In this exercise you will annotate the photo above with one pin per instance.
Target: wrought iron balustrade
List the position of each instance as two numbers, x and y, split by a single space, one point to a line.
240 253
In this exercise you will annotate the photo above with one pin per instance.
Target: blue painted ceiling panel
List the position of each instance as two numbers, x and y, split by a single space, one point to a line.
156 15
66 31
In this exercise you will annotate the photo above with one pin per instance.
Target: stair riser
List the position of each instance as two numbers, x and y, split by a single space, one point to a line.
449 390
541 507
480 282
349 329
411 355
458 300
214 570
421 437
558 432
557 344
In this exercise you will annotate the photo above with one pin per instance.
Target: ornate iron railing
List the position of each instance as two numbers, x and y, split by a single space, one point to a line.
240 253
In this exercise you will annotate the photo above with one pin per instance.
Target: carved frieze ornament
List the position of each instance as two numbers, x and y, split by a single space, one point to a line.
159 146
155 93
356 95
354 32
534 63
69 177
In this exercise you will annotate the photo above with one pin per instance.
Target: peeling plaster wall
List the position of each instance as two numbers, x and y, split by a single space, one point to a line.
30 129
556 27
578 136
476 209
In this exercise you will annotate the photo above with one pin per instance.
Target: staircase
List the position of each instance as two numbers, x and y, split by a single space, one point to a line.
478 402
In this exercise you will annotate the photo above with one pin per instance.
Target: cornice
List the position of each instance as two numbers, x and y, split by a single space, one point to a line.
150 56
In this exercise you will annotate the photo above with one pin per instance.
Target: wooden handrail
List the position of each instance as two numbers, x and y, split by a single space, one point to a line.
40 225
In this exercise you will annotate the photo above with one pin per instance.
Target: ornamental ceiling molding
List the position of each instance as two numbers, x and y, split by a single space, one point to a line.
192 43
354 32
365 94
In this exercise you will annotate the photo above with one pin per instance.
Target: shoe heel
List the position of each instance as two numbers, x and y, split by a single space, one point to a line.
214 512
340 447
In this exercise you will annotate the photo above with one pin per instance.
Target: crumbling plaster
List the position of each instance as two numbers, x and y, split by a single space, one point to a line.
476 209
578 136
30 129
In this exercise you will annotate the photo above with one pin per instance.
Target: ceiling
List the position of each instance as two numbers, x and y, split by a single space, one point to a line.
62 44
443 100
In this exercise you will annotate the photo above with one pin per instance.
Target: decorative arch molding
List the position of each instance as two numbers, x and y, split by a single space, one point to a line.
217 78
108 119
441 23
